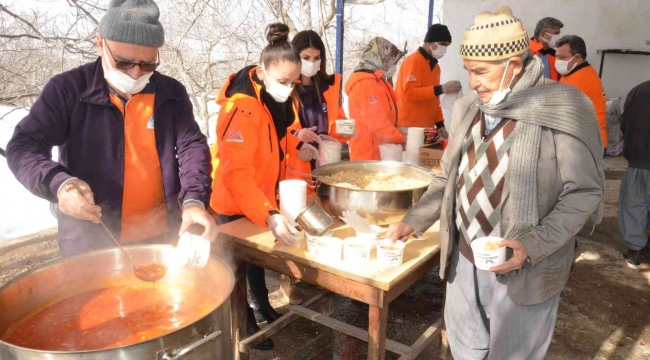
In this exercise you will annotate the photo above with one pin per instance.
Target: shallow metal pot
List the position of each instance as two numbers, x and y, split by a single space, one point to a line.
206 339
378 207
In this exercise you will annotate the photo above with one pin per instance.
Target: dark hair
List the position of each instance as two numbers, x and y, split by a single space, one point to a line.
310 39
547 23
576 44
279 48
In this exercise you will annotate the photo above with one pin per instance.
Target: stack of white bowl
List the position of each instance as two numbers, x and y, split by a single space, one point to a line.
293 199
411 158
414 139
329 152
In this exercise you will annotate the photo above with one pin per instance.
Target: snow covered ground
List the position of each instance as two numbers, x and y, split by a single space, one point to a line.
21 213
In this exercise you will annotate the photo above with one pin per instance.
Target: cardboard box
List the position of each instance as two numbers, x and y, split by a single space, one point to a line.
430 157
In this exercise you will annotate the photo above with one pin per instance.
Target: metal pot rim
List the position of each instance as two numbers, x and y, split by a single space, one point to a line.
374 162
100 251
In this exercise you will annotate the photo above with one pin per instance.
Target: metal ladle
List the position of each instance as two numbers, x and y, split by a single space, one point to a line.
141 272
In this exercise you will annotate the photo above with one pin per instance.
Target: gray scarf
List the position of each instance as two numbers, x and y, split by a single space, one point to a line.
556 106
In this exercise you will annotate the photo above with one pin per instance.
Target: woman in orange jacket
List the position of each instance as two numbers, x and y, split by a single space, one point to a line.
256 111
318 100
372 101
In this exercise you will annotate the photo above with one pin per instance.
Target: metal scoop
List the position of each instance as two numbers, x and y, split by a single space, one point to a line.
149 272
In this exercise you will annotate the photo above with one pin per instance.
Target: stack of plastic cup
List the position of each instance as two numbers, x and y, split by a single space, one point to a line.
414 139
390 152
329 152
293 199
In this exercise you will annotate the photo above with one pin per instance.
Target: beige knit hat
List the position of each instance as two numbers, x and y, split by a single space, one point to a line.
494 36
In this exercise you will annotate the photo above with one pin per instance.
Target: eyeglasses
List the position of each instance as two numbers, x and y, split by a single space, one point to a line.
128 65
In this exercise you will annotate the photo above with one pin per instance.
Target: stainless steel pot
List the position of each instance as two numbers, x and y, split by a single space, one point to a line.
378 207
206 339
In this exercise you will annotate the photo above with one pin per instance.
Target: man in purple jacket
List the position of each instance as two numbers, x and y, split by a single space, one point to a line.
130 151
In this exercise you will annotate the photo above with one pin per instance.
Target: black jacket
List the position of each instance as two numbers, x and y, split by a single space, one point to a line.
635 124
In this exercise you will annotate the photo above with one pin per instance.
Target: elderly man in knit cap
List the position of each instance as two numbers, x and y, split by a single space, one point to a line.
130 151
524 163
418 86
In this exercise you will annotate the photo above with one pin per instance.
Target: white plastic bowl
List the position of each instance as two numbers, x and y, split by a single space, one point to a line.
357 250
389 254
193 251
485 259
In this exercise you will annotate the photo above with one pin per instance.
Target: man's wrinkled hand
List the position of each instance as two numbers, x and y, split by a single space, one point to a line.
400 231
516 262
77 200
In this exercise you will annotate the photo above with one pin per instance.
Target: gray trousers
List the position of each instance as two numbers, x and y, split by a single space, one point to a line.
483 323
634 208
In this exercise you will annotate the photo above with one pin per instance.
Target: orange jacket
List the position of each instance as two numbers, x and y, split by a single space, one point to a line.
246 156
417 102
585 78
334 112
536 47
373 105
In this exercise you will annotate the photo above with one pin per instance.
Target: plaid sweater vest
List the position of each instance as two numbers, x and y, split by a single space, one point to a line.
481 179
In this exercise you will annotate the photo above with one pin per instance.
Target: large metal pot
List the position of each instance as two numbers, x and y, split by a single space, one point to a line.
378 207
206 339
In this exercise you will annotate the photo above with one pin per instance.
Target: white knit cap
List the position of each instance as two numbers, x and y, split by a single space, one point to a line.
494 36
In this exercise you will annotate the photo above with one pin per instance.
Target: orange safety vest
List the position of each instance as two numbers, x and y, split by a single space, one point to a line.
535 48
246 156
144 212
585 78
416 100
373 104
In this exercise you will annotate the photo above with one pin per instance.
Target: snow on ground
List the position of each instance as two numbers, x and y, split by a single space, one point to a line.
21 213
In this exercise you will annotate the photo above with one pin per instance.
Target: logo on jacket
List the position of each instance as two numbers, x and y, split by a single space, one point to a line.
235 136
410 78
324 107
150 123
373 100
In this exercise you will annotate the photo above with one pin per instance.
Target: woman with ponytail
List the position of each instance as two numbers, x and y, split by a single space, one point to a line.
257 108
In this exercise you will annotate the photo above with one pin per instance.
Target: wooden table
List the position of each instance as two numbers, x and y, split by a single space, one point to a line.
369 284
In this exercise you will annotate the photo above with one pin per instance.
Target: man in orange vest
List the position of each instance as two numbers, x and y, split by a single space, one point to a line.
547 34
418 85
572 64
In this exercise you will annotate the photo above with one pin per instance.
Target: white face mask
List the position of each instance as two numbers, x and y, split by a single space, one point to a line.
562 66
499 95
391 72
439 52
278 92
554 39
121 81
309 68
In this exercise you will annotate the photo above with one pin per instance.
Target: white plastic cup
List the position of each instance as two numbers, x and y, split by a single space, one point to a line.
192 251
357 250
373 235
389 254
345 127
411 157
293 199
485 259
312 246
328 249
